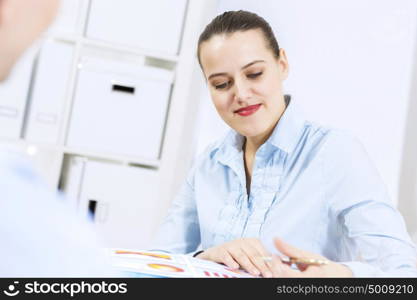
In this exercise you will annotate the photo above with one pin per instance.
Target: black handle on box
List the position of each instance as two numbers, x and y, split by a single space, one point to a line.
92 206
123 88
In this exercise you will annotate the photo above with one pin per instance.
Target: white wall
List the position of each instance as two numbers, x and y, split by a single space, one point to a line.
350 67
408 176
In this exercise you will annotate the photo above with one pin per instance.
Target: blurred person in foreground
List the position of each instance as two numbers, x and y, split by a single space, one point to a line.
41 234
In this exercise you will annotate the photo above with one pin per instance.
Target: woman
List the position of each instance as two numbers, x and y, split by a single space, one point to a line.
278 175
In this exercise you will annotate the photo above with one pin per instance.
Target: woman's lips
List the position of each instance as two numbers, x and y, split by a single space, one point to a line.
248 110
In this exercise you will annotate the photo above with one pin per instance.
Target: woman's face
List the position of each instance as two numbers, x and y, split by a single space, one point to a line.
245 81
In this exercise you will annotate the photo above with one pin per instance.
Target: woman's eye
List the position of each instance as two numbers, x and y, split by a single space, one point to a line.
221 86
254 75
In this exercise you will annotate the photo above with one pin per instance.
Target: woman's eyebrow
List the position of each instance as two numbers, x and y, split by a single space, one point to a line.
244 67
217 74
251 63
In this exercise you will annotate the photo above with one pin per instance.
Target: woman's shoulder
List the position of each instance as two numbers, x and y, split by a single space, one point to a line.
332 140
209 152
216 150
335 148
338 149
342 143
204 162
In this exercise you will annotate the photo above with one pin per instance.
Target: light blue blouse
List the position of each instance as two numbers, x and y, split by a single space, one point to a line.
314 187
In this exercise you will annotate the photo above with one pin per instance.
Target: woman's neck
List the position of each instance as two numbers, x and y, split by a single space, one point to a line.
253 143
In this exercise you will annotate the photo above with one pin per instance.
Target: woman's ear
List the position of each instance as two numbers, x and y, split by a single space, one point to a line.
283 64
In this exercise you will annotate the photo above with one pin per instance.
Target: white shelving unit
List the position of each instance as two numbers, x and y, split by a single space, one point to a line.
145 184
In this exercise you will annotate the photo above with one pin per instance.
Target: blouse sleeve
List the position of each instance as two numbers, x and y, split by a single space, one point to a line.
374 234
180 231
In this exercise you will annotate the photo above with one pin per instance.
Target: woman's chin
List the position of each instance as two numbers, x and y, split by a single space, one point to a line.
251 132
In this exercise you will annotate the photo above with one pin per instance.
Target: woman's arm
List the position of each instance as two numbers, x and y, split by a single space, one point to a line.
374 241
180 231
374 234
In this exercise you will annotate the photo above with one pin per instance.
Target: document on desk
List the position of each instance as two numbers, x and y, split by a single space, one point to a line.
151 264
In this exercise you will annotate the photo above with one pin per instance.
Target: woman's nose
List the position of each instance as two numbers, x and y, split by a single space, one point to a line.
241 91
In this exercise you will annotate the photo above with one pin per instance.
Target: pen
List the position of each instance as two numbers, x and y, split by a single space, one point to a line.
300 260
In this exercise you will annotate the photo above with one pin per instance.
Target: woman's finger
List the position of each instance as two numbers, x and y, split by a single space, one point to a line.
243 260
256 257
276 266
263 253
228 260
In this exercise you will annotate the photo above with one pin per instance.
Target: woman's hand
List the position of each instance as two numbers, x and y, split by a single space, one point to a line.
281 269
245 253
